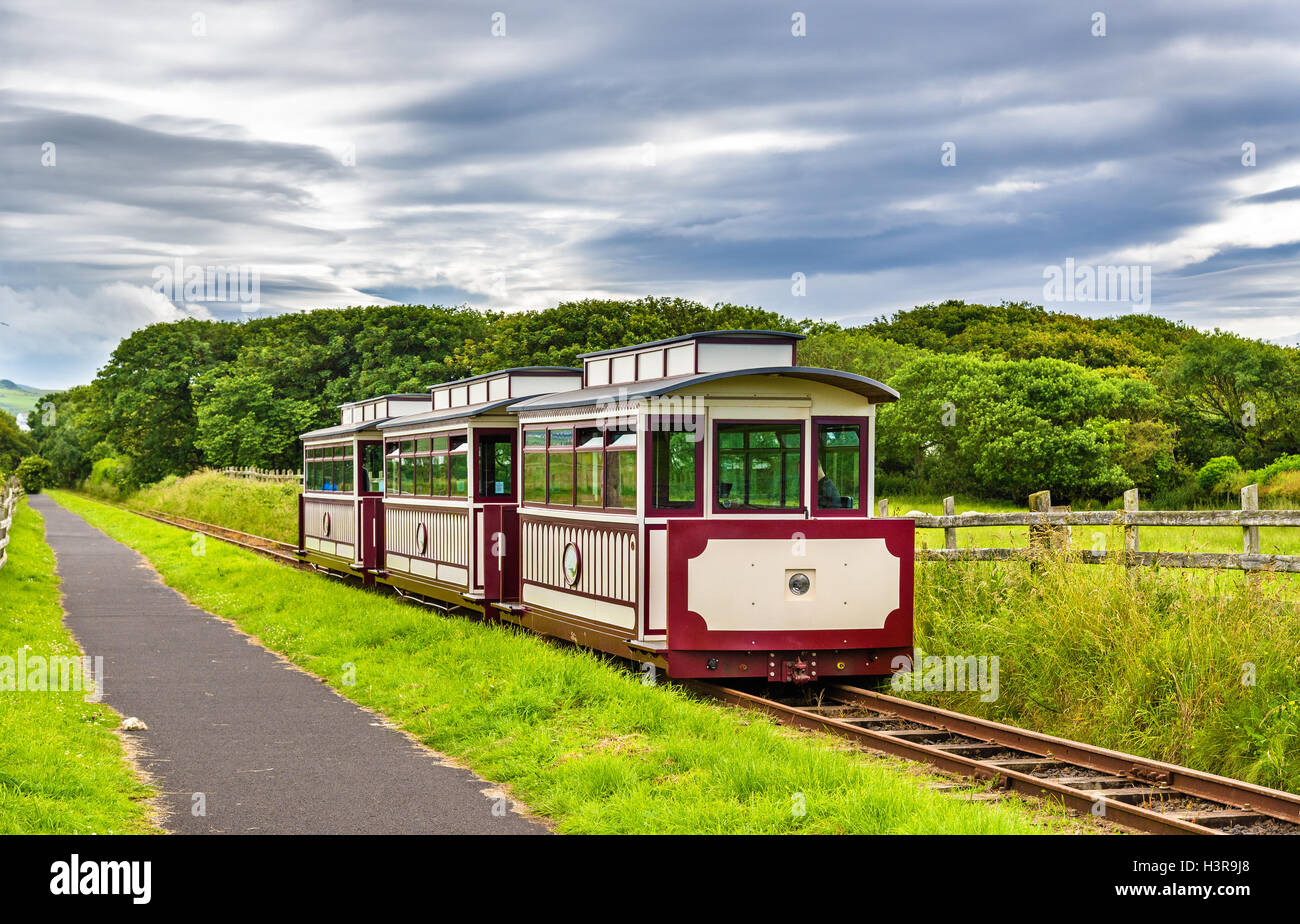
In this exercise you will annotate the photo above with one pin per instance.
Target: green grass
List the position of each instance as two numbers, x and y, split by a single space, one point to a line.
18 399
1200 668
261 508
572 736
62 769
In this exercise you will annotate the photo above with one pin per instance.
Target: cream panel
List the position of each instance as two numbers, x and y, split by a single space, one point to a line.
623 369
453 575
650 365
441 399
498 388
681 360
460 396
597 372
720 357
657 618
397 562
741 584
524 385
612 614
478 392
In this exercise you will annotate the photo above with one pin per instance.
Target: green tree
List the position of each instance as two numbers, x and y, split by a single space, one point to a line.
242 421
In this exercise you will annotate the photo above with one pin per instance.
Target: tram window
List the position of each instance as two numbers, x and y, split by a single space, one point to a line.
535 466
674 470
591 467
406 471
422 468
839 466
390 483
495 465
621 479
372 468
458 466
560 468
759 466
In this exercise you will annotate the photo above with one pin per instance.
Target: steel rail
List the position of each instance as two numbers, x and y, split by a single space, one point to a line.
1253 802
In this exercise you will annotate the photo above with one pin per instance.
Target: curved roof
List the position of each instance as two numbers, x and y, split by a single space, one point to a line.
747 334
876 392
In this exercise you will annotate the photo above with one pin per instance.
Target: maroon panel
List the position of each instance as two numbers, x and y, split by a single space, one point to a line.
501 554
687 539
302 534
370 531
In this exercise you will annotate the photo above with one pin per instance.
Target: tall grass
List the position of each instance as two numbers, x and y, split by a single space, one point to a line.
267 509
1197 668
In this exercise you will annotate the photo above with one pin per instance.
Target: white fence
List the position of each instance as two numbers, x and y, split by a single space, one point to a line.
9 495
261 474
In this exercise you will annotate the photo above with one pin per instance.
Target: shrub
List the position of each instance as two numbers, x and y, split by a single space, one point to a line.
32 473
110 477
1218 475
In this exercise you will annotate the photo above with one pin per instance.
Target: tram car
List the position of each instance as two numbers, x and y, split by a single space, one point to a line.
702 503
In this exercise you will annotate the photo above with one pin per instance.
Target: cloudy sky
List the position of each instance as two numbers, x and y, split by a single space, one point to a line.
514 155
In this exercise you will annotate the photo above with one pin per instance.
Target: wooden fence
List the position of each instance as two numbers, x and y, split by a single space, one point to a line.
9 495
1049 529
261 474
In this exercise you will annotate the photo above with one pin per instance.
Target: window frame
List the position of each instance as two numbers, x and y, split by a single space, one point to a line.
650 437
348 460
516 465
572 450
864 466
409 458
802 507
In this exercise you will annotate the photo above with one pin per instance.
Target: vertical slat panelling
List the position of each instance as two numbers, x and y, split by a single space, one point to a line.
608 564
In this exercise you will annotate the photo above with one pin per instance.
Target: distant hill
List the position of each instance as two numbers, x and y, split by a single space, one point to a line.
19 399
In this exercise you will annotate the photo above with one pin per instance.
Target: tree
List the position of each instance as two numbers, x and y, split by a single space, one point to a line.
32 472
243 422
14 443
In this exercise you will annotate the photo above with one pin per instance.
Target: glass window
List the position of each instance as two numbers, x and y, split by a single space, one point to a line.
839 466
408 447
534 439
422 466
560 480
406 475
758 466
591 477
621 480
535 477
622 439
561 439
440 444
591 438
674 470
372 468
438 475
346 480
495 465
390 478
459 472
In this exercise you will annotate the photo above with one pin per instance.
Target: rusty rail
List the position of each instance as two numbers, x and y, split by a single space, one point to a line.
1122 788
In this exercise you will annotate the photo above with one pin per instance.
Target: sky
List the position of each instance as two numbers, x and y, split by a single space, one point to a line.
825 160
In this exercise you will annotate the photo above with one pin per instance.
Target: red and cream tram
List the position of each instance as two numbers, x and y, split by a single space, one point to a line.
701 503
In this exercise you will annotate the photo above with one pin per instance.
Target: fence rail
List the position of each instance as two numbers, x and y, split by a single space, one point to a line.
261 474
1049 528
9 495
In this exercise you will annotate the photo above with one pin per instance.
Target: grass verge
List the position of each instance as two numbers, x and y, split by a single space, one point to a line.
262 508
1199 668
62 769
575 739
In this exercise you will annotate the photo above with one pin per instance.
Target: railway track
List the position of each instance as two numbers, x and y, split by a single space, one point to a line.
1133 792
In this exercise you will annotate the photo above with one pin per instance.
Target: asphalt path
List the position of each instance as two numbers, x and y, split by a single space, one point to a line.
260 746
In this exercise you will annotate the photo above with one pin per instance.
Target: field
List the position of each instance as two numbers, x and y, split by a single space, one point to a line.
1151 661
573 736
62 768
18 399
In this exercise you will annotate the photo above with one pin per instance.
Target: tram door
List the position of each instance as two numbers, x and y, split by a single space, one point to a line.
496 490
370 506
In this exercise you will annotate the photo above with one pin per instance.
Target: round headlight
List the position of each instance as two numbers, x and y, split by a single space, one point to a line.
799 584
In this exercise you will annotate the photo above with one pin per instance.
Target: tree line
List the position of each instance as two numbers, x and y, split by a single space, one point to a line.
996 400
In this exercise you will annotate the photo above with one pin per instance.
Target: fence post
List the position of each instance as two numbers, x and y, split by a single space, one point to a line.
1040 536
883 507
1131 541
950 532
1250 534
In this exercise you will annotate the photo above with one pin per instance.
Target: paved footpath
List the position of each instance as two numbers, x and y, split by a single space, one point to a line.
274 750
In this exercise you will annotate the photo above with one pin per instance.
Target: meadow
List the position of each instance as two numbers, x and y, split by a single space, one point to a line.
573 736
